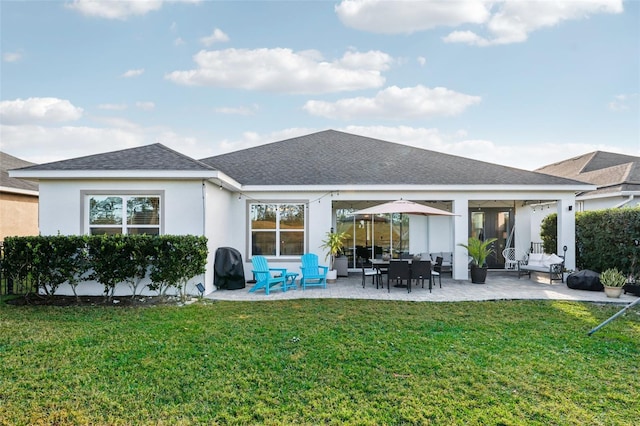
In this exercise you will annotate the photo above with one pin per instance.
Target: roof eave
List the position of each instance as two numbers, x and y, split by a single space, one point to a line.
19 191
407 188
112 174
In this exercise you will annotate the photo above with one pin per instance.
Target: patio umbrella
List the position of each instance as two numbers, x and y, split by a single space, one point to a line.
404 206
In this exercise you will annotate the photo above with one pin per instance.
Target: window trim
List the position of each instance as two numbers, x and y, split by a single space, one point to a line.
85 194
305 229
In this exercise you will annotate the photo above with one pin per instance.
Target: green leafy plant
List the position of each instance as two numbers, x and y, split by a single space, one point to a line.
612 278
549 233
479 250
333 244
175 260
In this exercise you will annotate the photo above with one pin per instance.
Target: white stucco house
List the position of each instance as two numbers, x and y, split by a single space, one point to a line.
280 199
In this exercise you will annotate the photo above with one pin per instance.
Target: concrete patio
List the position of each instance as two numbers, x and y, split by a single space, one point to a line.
500 285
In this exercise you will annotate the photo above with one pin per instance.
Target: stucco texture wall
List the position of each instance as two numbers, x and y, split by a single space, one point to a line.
18 215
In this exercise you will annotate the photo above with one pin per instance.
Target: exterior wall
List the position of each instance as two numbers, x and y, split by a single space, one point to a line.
442 233
18 215
201 208
61 211
610 202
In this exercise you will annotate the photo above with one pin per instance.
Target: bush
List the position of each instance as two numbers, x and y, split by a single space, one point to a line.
605 239
549 233
50 261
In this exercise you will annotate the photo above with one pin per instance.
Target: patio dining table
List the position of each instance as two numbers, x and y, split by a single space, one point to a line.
381 264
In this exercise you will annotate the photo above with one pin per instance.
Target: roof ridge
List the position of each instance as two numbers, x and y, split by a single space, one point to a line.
173 151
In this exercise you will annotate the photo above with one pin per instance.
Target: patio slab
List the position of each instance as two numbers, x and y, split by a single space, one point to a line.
500 285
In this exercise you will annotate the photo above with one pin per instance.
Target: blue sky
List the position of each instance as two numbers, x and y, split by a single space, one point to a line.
518 83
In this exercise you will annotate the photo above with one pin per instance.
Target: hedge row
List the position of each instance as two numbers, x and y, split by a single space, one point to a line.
604 239
49 261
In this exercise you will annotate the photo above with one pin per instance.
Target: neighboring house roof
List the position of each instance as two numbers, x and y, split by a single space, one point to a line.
333 157
612 173
11 184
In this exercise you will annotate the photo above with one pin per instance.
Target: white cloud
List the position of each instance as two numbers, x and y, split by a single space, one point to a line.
178 42
133 73
526 157
503 21
396 103
113 107
146 106
12 57
422 60
38 110
217 36
117 9
623 102
283 70
391 17
41 144
238 110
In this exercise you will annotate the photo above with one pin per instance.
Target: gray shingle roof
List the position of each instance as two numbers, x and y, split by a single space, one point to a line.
611 172
333 157
9 162
148 157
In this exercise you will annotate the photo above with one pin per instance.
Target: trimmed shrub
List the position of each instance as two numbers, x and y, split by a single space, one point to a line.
50 261
605 239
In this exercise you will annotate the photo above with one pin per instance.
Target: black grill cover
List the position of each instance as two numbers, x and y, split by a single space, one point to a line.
585 280
228 269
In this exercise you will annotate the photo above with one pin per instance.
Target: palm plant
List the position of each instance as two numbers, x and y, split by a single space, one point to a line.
333 243
479 250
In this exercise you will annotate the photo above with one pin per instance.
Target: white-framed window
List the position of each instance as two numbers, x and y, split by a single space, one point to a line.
123 213
277 229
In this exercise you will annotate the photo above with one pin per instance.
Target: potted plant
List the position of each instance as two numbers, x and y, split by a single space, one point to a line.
333 244
612 280
479 251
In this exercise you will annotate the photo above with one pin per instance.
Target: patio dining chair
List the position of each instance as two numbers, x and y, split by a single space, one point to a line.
399 272
375 275
421 270
312 273
437 270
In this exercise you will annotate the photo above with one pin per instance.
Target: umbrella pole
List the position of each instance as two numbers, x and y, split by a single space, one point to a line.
623 310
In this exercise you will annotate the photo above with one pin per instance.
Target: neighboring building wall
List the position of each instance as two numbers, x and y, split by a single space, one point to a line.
611 202
18 215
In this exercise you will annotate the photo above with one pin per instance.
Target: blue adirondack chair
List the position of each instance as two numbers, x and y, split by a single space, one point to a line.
312 273
264 275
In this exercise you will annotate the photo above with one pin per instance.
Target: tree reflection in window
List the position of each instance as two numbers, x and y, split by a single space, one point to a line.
105 210
277 229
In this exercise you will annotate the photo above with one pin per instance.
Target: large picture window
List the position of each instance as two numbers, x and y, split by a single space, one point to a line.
277 229
124 214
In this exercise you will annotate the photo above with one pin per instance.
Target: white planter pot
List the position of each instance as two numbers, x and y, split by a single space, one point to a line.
332 276
612 291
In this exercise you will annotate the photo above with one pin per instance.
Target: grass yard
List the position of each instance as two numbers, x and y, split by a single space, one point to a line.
320 361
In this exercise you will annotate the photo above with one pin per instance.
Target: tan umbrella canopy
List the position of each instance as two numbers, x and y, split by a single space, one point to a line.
404 206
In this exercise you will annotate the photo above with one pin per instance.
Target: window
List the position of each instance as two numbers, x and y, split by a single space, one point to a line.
277 229
124 214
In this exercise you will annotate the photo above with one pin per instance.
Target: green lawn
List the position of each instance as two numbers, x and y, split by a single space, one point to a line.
320 361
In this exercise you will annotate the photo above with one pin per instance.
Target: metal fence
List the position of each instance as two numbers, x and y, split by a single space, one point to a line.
15 282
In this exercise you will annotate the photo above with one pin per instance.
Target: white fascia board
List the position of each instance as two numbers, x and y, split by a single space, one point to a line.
18 191
409 188
226 182
112 174
608 195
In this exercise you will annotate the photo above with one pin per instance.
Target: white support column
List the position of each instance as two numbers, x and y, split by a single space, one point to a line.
567 230
460 235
